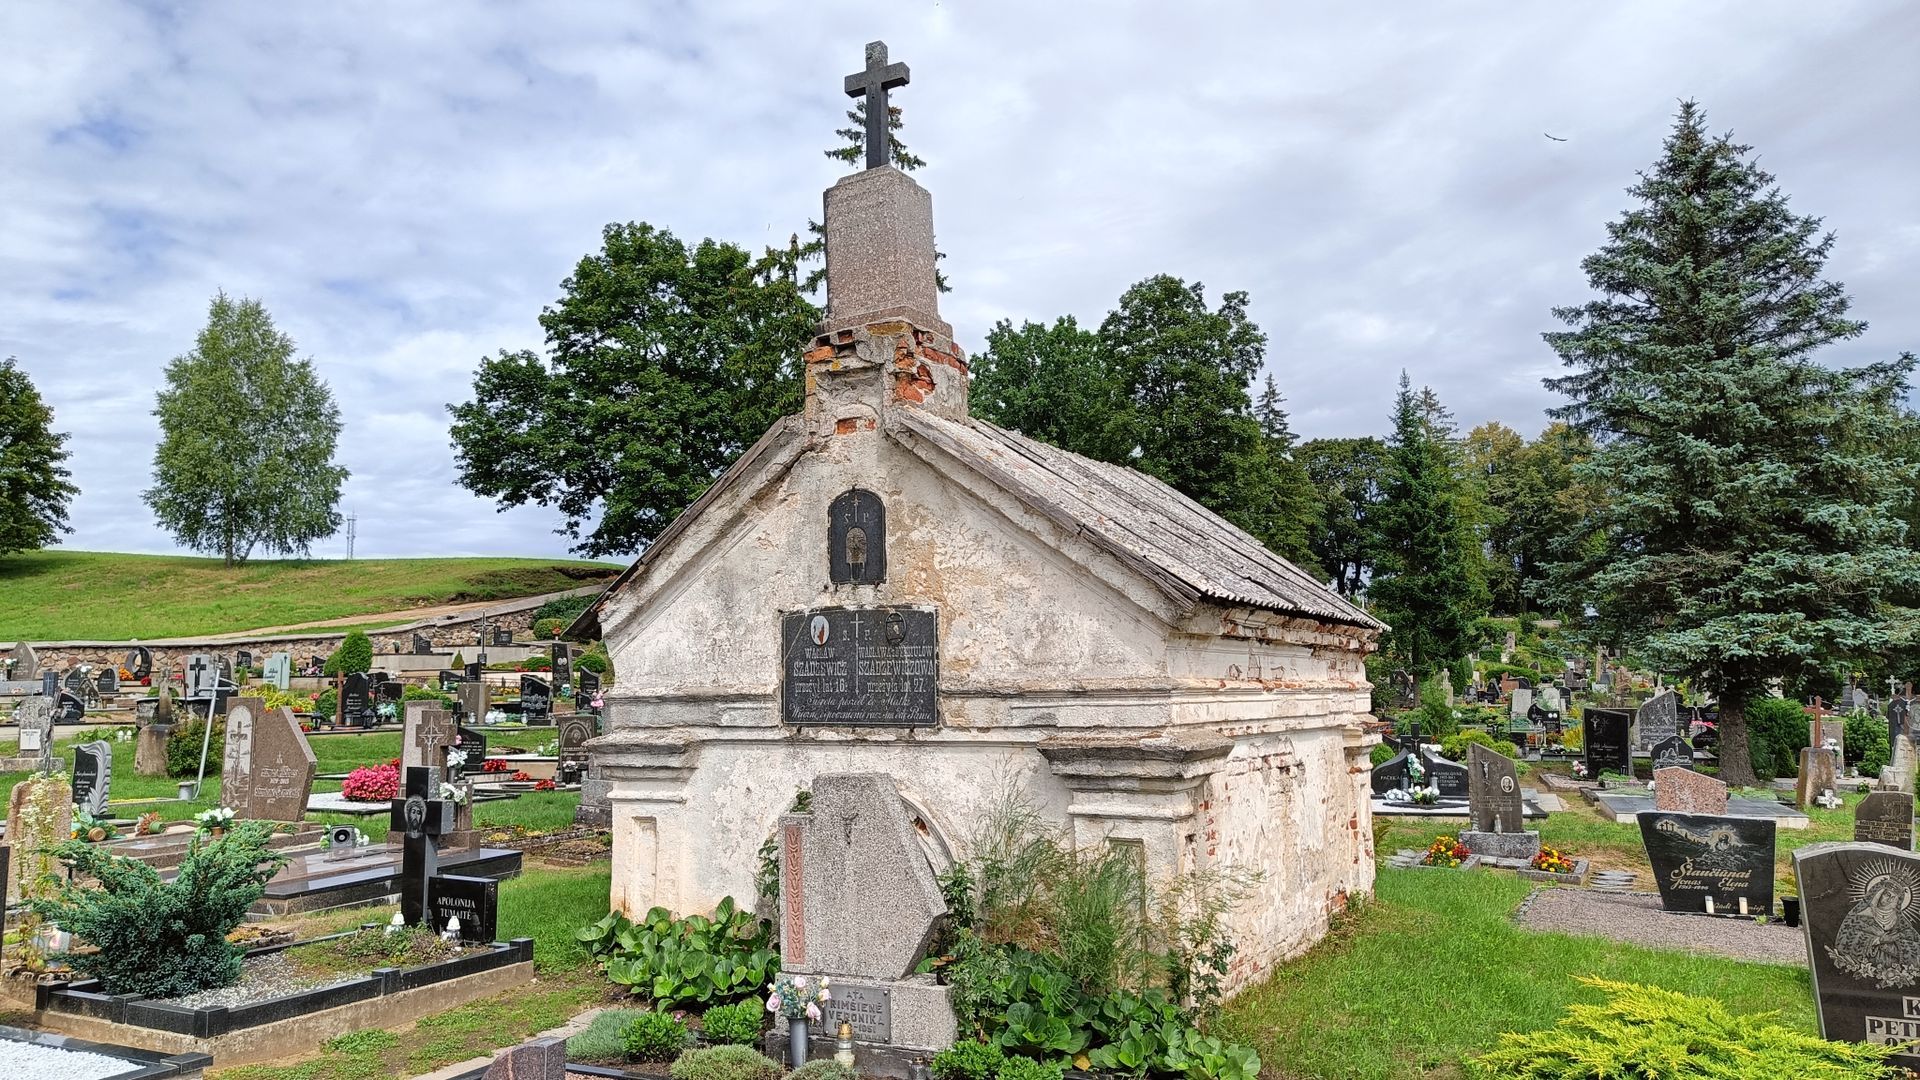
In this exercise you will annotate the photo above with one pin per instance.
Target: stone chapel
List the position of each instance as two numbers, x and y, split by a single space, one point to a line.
884 584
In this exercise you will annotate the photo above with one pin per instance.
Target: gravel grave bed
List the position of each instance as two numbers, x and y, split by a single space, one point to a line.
1638 918
261 978
28 1061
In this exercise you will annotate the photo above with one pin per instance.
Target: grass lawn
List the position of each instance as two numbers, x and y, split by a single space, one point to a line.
88 595
1433 969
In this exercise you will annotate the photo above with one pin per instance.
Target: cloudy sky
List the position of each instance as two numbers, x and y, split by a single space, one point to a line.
405 185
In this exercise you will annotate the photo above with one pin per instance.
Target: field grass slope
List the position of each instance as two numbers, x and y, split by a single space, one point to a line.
95 595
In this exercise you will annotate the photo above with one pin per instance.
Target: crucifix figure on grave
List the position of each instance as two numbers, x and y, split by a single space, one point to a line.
873 84
424 817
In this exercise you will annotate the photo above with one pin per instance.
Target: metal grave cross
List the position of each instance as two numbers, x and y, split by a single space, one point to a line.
873 84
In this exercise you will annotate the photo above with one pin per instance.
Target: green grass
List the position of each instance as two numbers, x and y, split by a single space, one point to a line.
90 595
1433 969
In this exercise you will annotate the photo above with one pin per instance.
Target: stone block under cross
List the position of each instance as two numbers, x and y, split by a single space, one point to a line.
424 818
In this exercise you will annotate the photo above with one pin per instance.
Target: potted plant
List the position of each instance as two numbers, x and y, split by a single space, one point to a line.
214 822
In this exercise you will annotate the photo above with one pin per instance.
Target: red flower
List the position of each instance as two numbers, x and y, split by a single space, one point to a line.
543 785
519 776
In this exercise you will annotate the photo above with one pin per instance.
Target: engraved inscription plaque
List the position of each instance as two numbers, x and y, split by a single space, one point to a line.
860 667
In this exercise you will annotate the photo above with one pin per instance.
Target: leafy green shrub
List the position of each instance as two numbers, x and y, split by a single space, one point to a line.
1020 1068
1776 733
692 961
416 692
594 659
1454 747
183 748
354 654
655 1036
1866 742
738 1024
822 1069
604 1040
1383 753
162 938
548 628
326 704
725 1063
969 1060
1494 671
563 608
1644 1031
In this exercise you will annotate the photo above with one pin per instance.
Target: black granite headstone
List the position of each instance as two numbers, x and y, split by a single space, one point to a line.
92 776
449 681
421 646
502 637
69 709
536 697
475 901
1885 817
390 691
1860 912
1606 734
1672 753
108 681
1450 777
473 743
562 656
1390 775
356 703
474 671
423 817
589 684
1697 856
139 662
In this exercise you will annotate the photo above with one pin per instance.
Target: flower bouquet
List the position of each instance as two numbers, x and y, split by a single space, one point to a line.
1553 861
797 998
214 821
1445 851
543 785
1579 769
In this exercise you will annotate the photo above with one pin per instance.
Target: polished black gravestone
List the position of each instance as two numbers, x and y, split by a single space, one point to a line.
356 701
1860 911
424 818
589 684
1885 817
562 663
471 742
449 681
475 901
92 776
1672 753
475 670
536 697
1606 735
1449 776
1393 775
1697 857
861 667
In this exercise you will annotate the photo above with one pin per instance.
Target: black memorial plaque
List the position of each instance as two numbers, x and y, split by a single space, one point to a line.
536 697
1606 737
474 671
857 539
421 646
860 667
475 901
1701 856
449 681
1672 753
1860 911
503 637
1885 817
391 691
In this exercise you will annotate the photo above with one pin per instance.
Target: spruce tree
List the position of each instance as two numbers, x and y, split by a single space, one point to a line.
1752 529
1426 584
1294 515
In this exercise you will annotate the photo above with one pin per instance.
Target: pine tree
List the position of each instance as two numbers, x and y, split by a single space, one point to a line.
1752 530
1294 514
34 481
1426 585
247 437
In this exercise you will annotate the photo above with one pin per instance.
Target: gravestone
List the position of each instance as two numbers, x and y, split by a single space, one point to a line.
589 685
268 771
69 709
1659 718
562 666
201 676
1819 771
536 697
150 742
1394 775
1885 817
1681 790
76 681
1493 796
472 745
92 776
1522 704
503 637
49 683
449 681
139 663
1449 776
30 833
473 701
26 663
1899 712
389 692
1605 735
541 1059
223 666
1673 752
35 717
855 848
356 701
429 731
1697 857
421 646
421 816
475 901
475 670
1860 913
278 672
108 681
1899 773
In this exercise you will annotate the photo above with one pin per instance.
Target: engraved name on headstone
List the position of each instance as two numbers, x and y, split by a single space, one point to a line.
866 667
1860 913
1885 817
1701 856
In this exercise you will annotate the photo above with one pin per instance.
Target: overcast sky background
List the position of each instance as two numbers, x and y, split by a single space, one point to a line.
405 185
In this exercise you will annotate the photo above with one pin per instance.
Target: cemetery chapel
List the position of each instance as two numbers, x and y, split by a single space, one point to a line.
884 585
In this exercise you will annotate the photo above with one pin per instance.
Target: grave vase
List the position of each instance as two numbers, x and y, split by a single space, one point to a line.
796 1042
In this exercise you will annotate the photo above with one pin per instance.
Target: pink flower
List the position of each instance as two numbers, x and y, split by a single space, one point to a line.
824 996
773 1003
813 1012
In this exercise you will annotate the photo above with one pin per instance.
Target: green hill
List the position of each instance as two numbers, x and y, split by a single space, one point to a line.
89 595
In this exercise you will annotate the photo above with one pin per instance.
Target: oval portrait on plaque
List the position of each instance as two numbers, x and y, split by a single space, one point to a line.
818 629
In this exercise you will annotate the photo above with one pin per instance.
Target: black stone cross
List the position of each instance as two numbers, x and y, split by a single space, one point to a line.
873 84
424 817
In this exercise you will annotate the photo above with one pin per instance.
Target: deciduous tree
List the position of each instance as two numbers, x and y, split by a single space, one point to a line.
35 485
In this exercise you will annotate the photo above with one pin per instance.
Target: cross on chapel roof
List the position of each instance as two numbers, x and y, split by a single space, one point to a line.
873 83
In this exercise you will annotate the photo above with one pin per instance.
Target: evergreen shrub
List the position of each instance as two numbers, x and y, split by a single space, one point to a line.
183 748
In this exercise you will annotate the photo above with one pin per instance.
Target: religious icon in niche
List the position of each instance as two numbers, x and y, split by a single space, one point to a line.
857 538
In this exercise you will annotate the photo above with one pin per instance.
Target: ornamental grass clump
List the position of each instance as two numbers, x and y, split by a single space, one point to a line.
1644 1031
724 1063
162 938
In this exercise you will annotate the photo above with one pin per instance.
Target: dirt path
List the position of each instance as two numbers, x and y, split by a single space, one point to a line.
403 615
